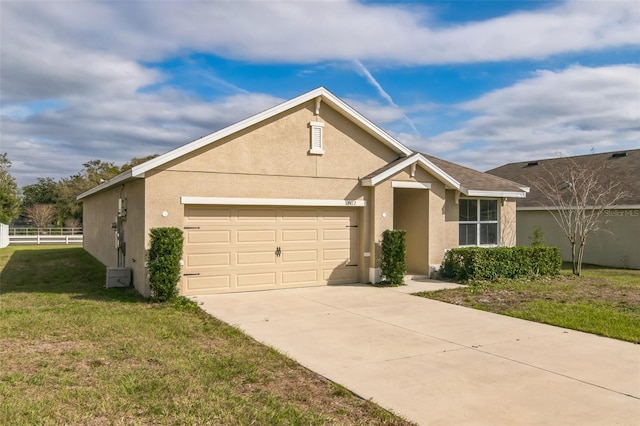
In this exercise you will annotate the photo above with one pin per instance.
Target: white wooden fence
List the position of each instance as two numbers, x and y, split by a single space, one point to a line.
45 235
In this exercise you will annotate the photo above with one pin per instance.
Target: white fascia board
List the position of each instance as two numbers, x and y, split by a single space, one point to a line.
271 202
545 208
111 182
412 185
500 194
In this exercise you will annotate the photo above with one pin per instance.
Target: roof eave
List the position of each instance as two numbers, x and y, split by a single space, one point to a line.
499 194
111 182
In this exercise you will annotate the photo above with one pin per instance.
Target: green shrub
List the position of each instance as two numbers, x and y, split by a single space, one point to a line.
394 252
164 262
479 263
537 237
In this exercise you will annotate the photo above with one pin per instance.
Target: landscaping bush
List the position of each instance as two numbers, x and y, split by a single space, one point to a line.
394 252
479 263
164 262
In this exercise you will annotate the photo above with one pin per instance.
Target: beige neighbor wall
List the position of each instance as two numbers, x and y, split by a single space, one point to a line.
100 212
508 223
272 160
617 245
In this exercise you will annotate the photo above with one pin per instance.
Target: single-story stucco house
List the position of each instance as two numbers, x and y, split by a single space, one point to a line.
297 195
617 244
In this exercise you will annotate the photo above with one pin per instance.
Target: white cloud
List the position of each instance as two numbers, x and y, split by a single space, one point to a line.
568 112
56 143
317 31
88 59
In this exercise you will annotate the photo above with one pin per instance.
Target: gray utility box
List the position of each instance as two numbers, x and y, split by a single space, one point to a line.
118 277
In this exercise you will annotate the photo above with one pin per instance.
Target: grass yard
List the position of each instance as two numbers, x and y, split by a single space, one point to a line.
73 352
603 301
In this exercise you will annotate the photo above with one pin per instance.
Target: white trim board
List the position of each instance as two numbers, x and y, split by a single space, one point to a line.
411 185
547 208
271 202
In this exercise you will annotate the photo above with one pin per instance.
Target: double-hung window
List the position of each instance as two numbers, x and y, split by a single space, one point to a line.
478 222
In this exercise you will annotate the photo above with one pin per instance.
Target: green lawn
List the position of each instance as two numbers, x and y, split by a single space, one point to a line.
603 301
73 352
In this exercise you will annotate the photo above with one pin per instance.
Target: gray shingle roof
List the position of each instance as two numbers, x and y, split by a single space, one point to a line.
622 166
473 179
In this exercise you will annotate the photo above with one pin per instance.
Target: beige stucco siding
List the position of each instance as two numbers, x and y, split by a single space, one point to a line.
280 146
443 223
616 245
100 212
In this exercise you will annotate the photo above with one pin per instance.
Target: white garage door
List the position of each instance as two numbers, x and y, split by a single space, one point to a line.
242 248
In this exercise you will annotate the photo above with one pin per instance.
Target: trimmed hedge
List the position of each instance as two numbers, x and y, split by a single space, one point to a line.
164 262
394 252
480 263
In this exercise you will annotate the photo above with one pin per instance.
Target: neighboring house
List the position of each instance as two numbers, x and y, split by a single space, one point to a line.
297 195
617 244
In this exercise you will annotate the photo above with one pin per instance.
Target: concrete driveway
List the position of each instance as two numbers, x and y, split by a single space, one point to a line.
440 364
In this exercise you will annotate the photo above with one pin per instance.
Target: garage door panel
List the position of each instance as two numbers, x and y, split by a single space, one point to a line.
218 282
343 234
256 236
266 279
208 260
299 235
256 215
299 215
208 237
239 253
256 258
298 256
300 277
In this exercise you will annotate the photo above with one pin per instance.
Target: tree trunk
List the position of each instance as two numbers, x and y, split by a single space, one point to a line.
580 256
574 260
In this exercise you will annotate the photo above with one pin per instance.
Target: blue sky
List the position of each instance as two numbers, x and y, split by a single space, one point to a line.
481 83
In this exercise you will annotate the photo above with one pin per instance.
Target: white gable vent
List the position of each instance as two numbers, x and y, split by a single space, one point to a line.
316 138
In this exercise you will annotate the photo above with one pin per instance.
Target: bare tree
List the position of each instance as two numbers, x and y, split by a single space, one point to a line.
41 214
578 196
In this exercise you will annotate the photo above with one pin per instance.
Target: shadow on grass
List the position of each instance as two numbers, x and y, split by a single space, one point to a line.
58 270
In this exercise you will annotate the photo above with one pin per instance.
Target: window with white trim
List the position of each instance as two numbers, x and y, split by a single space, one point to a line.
316 137
478 222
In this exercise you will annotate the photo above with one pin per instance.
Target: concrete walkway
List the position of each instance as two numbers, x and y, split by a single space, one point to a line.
441 364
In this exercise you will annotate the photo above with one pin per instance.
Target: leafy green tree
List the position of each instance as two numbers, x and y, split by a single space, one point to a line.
9 199
94 173
44 191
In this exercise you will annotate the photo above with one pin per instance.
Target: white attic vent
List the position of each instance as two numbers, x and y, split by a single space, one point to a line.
316 138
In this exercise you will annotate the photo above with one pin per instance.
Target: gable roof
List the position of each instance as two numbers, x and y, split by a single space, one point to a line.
468 181
320 93
622 166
